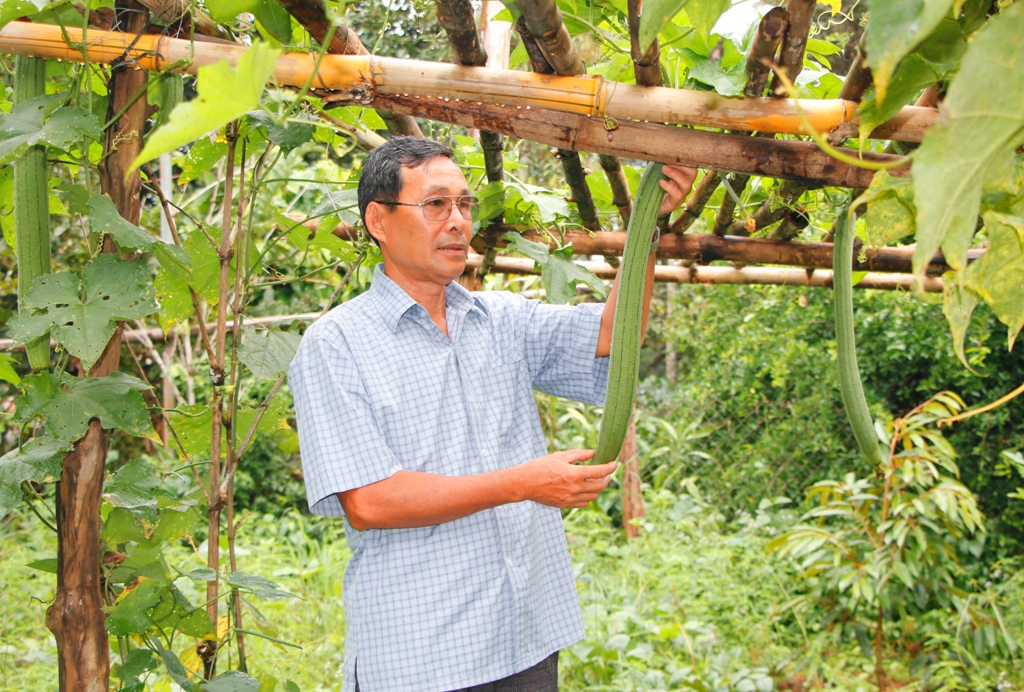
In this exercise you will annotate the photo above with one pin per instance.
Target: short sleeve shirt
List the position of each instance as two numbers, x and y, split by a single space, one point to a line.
379 388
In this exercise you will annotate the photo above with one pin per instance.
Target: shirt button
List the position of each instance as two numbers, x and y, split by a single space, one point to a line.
483 452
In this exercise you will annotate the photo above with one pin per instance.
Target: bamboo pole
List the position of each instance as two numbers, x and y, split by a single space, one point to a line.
365 78
765 276
312 15
649 141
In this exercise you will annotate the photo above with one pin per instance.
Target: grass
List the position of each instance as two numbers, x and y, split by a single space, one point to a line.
689 605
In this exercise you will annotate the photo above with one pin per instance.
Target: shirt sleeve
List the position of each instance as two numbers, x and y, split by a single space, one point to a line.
559 346
339 440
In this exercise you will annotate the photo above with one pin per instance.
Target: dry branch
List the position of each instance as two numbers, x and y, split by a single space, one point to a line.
620 188
723 219
762 50
794 44
538 62
364 79
698 200
312 15
457 19
771 210
649 141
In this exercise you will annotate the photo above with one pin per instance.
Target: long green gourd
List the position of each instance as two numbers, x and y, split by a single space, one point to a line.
31 204
850 384
626 330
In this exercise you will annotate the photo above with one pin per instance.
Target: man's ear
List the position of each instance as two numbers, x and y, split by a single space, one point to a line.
376 224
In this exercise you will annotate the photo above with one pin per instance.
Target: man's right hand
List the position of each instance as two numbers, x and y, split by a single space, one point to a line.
555 481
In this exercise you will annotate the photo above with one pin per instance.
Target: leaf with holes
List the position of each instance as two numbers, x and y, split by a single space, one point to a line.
984 124
225 93
114 399
268 352
38 460
82 315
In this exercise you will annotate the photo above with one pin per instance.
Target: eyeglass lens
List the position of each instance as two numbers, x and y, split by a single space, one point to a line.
440 208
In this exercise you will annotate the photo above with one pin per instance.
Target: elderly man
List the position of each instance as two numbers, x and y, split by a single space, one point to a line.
417 424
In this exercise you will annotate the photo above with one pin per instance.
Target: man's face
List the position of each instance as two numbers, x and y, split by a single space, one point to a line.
422 250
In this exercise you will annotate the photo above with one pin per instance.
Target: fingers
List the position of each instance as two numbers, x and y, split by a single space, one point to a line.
576 455
677 186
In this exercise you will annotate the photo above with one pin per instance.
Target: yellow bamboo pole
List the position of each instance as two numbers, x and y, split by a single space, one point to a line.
365 76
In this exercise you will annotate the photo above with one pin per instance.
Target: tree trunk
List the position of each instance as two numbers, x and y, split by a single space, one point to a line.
76 615
794 44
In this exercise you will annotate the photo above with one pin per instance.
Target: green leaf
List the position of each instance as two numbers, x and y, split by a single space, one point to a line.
726 80
201 157
15 9
268 352
138 663
914 74
225 93
261 587
984 123
26 125
104 218
114 399
174 259
656 14
82 315
890 214
958 303
176 611
174 668
288 135
134 485
232 681
48 564
275 20
129 613
559 272
38 460
549 204
894 29
998 275
7 372
704 14
121 526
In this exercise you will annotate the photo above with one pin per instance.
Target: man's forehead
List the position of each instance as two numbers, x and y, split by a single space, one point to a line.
433 179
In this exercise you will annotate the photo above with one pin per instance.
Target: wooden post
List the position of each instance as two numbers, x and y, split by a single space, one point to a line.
632 497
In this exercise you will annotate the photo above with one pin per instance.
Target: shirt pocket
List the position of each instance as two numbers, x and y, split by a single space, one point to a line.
504 381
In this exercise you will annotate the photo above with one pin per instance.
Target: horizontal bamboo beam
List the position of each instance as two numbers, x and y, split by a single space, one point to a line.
705 248
365 77
774 158
770 276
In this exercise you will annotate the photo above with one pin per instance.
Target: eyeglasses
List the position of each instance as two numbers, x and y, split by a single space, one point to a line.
440 208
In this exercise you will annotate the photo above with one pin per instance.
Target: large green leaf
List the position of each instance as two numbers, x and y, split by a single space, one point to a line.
104 218
38 460
68 407
7 371
984 123
82 315
703 14
225 93
895 28
129 614
998 275
915 73
192 425
15 9
268 352
890 214
559 272
655 15
232 681
30 123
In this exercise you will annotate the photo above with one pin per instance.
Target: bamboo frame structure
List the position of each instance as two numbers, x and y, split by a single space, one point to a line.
365 78
764 276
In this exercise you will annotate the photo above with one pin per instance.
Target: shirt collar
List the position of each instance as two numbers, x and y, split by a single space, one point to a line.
393 302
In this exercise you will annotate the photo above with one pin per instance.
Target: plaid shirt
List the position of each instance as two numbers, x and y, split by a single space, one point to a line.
378 389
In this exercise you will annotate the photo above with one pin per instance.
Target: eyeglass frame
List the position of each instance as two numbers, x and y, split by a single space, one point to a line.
473 204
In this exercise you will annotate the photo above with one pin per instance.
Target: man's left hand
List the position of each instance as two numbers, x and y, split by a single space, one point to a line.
677 186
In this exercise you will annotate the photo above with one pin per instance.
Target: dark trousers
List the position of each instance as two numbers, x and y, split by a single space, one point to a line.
542 677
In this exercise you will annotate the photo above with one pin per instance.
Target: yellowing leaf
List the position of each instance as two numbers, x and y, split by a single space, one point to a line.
984 123
896 27
998 275
225 93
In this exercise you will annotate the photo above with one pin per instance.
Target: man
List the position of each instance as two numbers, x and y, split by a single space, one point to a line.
417 423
